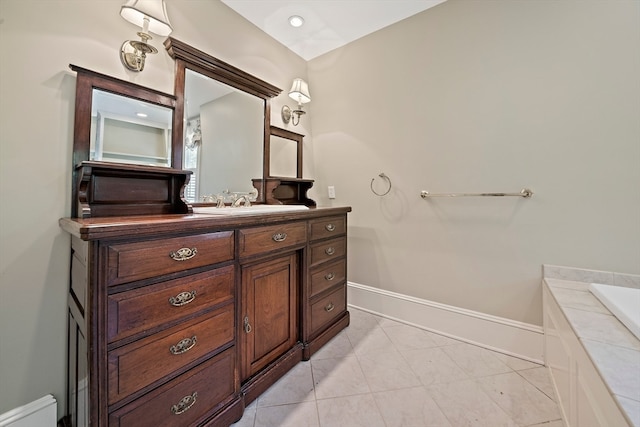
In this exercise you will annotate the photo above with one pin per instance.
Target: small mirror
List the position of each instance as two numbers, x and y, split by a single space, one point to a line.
285 153
223 134
127 130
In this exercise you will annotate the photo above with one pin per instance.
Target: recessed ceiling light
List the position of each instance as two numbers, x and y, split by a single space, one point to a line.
296 21
141 115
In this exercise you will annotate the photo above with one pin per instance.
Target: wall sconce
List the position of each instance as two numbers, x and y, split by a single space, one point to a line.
299 92
151 16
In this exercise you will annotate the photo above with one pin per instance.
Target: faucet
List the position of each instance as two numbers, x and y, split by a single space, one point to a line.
240 199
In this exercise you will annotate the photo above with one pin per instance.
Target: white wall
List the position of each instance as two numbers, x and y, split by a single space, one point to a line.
486 96
38 40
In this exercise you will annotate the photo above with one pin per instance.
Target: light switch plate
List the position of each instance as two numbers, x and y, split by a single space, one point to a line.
332 192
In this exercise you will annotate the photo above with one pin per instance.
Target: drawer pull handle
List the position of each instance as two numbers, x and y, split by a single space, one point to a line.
329 277
279 237
183 298
184 404
330 227
183 254
183 346
247 325
329 307
330 250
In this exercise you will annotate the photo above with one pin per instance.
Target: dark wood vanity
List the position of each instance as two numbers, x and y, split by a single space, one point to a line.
198 312
179 318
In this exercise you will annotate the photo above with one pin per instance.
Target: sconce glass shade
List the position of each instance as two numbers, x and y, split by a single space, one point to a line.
135 11
300 91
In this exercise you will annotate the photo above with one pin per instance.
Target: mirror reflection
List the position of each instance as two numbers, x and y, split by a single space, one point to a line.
127 130
223 137
283 157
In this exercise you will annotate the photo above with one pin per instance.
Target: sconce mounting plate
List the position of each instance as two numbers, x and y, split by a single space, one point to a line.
286 114
133 53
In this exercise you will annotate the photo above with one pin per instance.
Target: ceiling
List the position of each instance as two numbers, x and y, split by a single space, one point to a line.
329 24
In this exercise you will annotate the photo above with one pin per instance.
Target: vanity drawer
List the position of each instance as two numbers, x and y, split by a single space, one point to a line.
328 227
326 276
253 241
184 400
328 249
127 262
147 307
328 308
139 364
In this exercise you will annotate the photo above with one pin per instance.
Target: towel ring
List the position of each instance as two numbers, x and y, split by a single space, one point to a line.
383 176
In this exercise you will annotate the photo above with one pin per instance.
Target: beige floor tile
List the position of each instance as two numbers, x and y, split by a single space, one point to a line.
406 337
465 404
516 363
350 411
339 346
303 414
541 379
372 340
410 407
338 377
475 361
433 366
379 372
524 403
296 386
387 370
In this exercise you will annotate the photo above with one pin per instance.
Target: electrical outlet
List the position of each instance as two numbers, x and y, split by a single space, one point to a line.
332 192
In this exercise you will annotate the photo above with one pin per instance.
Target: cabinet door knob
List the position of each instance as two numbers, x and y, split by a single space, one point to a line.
183 254
330 227
330 276
330 250
183 346
329 307
247 325
279 237
184 404
182 298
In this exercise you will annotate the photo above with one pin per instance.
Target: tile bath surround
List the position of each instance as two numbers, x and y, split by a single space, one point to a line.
612 349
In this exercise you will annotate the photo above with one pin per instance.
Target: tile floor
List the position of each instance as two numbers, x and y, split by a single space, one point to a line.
379 372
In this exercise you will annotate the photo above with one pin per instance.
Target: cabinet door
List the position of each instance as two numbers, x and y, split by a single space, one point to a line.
269 311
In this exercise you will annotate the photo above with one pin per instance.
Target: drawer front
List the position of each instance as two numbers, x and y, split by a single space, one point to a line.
328 250
140 260
185 400
145 308
328 308
326 276
328 227
139 364
253 241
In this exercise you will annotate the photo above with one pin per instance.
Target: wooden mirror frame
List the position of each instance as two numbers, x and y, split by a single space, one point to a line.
286 134
86 82
188 57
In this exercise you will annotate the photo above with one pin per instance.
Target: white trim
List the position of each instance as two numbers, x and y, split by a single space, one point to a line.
506 336
39 413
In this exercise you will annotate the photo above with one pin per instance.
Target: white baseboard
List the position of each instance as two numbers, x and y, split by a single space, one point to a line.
39 413
506 336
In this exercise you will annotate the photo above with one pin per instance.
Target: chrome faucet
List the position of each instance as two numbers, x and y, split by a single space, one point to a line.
242 199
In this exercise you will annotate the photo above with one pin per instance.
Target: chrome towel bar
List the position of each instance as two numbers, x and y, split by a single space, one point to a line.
525 192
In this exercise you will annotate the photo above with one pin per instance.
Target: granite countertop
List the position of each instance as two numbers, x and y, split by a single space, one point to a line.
613 349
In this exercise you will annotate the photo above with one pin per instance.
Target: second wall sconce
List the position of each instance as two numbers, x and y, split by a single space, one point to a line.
299 92
150 16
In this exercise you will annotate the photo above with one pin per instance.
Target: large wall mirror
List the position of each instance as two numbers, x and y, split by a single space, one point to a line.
221 125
